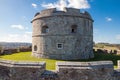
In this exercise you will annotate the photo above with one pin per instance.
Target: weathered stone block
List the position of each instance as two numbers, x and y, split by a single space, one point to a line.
10 70
101 70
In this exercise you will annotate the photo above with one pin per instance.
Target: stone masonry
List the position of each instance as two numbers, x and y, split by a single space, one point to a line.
98 70
10 70
66 35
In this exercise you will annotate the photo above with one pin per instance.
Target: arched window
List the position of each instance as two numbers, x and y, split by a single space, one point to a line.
45 29
35 48
73 28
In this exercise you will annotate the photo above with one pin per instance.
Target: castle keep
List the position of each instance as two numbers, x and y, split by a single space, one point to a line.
66 34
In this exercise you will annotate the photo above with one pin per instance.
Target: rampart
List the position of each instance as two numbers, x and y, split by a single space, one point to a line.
98 70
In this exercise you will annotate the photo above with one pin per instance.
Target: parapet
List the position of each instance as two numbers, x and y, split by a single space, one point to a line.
66 12
85 65
99 70
11 70
52 10
21 64
72 10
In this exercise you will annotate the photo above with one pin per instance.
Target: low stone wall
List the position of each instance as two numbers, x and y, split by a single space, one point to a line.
12 51
10 70
99 70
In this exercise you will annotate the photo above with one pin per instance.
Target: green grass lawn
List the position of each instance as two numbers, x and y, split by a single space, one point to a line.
50 63
26 56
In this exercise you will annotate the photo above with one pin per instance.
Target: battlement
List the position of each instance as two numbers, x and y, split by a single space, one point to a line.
66 12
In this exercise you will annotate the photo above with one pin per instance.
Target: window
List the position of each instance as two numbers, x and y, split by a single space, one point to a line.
35 48
59 46
45 29
73 28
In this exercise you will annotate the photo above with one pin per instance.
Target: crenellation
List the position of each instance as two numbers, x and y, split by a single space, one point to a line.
72 11
48 11
66 12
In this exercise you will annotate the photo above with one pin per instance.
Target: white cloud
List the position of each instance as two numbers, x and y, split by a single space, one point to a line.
34 5
79 4
18 27
108 19
26 37
13 35
28 33
26 28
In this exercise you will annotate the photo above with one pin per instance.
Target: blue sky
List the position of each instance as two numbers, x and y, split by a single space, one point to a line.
15 17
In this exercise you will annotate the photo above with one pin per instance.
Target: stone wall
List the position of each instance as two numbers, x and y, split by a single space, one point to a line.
98 70
10 70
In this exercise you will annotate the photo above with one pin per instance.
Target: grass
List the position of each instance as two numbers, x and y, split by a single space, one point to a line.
26 56
50 63
105 57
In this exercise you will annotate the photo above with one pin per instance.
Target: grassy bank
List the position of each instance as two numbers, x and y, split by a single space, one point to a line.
50 63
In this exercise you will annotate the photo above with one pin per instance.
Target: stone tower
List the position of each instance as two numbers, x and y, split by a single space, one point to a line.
66 35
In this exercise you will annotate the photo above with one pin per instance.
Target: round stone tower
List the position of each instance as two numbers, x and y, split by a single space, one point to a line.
66 35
